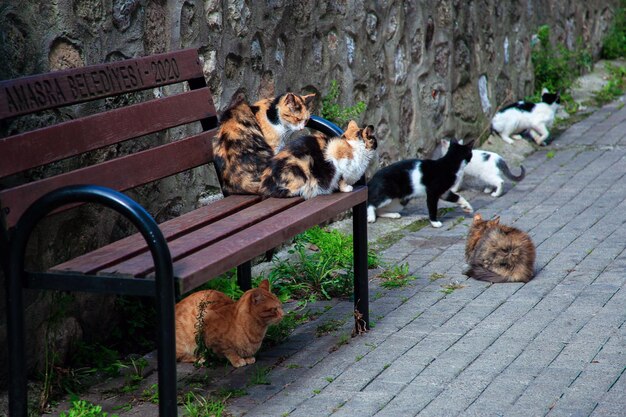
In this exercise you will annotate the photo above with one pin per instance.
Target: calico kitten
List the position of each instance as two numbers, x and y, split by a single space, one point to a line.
487 167
249 136
231 329
393 186
499 253
316 164
523 115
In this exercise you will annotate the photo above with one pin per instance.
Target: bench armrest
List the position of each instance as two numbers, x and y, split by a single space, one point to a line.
108 197
164 283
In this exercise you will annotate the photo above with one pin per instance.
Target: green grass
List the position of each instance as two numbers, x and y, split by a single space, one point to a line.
335 112
396 277
197 406
82 408
277 333
450 288
151 394
328 327
436 275
614 45
557 67
614 87
386 241
550 154
260 376
320 266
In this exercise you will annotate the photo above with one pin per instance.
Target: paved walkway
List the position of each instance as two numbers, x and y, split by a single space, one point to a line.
555 346
447 345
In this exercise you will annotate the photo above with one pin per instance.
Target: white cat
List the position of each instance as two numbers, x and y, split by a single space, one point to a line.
523 115
486 167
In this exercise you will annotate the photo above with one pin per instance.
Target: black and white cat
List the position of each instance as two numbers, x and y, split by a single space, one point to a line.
392 187
488 168
537 118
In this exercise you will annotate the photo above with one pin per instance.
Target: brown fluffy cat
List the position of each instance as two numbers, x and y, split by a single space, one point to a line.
499 253
249 136
231 329
316 164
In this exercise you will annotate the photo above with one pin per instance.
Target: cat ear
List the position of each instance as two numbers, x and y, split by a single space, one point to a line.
265 284
477 217
496 220
352 125
544 90
257 298
290 99
351 131
368 131
308 99
470 143
454 141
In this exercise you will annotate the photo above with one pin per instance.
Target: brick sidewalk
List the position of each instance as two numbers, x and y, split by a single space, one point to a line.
555 346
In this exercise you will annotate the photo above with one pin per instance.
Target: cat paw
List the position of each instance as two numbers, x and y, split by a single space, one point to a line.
345 188
371 219
250 361
507 140
391 215
436 224
487 190
496 194
239 363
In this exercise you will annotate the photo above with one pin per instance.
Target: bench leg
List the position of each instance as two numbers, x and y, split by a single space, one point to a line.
244 276
361 291
18 403
166 338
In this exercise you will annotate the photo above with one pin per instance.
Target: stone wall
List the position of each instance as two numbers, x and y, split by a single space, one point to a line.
425 69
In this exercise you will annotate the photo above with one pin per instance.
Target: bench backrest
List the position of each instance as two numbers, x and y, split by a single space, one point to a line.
23 151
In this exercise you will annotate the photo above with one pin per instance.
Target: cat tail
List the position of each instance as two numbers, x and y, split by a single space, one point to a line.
502 166
482 274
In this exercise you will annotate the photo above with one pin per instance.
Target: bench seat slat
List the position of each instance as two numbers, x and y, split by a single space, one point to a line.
146 166
42 146
132 245
242 246
194 241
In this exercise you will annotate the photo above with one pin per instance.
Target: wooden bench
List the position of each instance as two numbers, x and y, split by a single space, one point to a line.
163 261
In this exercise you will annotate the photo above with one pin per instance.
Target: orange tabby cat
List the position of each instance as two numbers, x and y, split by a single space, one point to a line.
249 136
231 329
499 253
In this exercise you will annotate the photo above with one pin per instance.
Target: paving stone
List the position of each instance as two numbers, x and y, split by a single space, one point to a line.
554 346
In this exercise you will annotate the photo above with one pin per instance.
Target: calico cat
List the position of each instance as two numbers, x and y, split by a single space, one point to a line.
316 164
392 187
523 115
487 167
249 136
499 253
231 329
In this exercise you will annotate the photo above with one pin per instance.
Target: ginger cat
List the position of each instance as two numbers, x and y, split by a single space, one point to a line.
232 329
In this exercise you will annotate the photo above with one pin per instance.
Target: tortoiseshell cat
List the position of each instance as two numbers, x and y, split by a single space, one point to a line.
249 136
316 164
499 253
231 329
